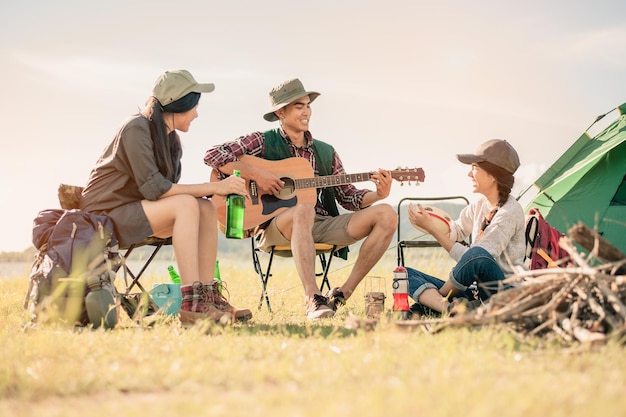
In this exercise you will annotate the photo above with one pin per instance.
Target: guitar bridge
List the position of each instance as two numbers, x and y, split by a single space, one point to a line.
254 192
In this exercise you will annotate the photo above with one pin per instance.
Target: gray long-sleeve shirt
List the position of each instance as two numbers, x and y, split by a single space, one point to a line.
504 238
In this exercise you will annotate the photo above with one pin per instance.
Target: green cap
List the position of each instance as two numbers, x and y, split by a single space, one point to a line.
285 93
173 85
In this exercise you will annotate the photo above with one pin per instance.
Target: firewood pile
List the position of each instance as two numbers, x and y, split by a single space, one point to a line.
575 303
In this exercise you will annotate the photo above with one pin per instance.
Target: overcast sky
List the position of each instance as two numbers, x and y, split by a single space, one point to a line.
403 83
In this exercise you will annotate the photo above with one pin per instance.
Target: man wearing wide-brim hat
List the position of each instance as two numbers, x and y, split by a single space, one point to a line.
300 221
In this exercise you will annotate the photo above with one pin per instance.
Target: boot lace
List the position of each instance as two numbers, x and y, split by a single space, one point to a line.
211 294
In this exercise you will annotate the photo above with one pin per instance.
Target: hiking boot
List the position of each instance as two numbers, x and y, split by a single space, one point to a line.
197 304
317 308
218 299
335 298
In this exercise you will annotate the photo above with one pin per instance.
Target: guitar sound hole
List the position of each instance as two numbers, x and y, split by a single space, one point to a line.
289 188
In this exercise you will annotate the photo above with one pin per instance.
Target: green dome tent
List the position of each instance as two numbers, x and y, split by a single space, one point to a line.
588 184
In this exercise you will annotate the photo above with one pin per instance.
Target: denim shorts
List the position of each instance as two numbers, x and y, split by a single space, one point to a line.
476 265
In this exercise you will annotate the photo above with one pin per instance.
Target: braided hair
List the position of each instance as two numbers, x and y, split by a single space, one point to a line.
504 181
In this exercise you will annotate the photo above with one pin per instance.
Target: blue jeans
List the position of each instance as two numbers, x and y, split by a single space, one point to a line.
475 265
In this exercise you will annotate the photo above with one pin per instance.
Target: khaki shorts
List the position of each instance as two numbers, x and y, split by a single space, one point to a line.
326 229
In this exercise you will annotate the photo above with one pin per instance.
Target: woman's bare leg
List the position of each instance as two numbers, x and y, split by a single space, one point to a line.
178 216
207 240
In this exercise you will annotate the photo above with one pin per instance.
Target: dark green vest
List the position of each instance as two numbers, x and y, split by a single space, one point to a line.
276 148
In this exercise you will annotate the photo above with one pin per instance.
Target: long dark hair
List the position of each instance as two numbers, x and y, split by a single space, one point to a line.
167 148
504 181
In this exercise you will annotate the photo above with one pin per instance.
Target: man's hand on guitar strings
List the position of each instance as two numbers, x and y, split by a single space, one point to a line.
268 182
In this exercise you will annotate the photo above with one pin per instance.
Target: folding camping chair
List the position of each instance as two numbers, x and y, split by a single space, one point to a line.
69 198
426 240
321 249
133 301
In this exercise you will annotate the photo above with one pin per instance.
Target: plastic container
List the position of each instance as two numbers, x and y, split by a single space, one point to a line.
167 297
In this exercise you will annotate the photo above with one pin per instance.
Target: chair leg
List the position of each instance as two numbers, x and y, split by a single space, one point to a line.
152 306
400 257
135 278
263 276
326 268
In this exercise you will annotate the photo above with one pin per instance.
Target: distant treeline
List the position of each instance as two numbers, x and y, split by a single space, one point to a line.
25 256
226 246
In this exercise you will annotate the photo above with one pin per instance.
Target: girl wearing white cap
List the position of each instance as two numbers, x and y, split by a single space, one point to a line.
135 183
496 224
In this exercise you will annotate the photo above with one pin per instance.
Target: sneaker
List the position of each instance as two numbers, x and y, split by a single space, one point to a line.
197 305
335 298
317 308
417 310
218 299
460 306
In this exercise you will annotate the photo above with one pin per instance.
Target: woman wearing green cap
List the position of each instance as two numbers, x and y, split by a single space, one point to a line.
496 224
135 183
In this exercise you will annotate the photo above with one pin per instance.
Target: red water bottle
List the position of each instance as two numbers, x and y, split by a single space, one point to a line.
400 293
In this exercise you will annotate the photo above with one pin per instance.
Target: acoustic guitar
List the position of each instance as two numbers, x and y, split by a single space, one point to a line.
300 188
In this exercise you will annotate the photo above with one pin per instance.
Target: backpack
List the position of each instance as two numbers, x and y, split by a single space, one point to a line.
77 254
542 243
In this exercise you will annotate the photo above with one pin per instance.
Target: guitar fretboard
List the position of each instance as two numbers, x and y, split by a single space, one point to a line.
331 180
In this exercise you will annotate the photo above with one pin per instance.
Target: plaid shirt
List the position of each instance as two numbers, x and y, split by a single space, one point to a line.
348 196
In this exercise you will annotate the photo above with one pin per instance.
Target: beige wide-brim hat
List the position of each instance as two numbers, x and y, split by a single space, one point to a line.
174 85
287 93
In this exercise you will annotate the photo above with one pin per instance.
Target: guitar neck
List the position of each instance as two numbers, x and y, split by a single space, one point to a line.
331 180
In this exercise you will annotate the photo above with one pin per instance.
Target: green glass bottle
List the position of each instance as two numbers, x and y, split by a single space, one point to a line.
173 274
217 276
234 214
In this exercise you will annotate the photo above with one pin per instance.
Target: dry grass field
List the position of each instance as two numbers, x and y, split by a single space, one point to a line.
280 365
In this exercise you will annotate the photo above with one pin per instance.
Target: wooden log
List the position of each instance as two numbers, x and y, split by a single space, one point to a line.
612 298
588 238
